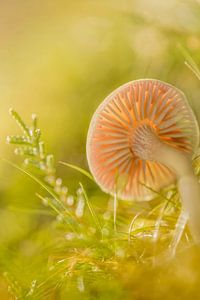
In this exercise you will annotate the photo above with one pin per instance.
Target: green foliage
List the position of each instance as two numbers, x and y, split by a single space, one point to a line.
89 245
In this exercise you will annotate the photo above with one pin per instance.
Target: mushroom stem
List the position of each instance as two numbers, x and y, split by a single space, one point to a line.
147 145
188 185
189 190
176 160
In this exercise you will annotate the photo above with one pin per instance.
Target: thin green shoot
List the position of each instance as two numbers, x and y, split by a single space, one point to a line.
179 230
31 211
154 191
93 214
115 203
49 203
147 229
34 178
82 171
159 220
196 73
131 226
190 63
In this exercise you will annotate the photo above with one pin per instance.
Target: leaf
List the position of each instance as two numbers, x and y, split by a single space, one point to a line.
190 63
82 171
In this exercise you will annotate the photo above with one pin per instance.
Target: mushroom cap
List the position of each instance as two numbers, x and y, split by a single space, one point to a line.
112 162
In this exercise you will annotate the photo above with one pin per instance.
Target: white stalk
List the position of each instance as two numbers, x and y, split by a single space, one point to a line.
147 145
188 185
189 190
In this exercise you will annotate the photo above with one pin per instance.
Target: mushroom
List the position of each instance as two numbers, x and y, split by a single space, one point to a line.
144 135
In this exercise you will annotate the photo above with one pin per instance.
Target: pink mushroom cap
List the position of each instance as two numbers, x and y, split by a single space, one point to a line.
142 104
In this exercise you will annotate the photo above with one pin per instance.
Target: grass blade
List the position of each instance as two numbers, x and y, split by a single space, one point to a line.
82 171
189 61
34 178
93 214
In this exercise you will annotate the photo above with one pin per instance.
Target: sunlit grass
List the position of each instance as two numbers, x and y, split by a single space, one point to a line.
89 254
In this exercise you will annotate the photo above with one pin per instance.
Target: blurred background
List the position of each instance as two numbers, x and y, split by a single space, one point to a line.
60 59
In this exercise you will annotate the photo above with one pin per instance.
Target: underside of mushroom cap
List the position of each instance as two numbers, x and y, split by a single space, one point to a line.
138 105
